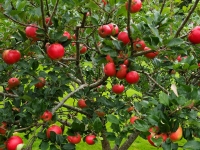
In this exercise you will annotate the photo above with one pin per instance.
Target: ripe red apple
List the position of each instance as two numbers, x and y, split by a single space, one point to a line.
31 32
139 45
83 49
114 28
150 55
67 34
47 116
90 139
104 31
121 73
47 21
55 51
81 103
104 2
179 58
11 56
156 136
123 36
131 108
126 62
109 69
109 58
13 142
132 77
53 128
13 82
41 83
118 88
74 139
194 35
133 118
177 135
3 128
136 5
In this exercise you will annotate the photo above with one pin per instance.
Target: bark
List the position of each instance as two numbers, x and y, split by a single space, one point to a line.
105 143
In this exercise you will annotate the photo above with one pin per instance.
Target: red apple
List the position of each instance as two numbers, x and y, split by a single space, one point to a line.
55 51
156 136
132 77
13 142
90 139
67 34
179 58
150 55
11 56
47 116
133 118
100 113
41 83
136 5
81 103
118 88
31 32
104 2
74 139
139 45
3 128
104 31
53 128
114 28
154 129
13 82
121 73
131 108
123 36
47 21
126 62
83 49
194 35
109 58
177 135
109 69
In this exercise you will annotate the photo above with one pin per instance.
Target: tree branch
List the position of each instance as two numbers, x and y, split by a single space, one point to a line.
9 95
186 18
163 4
54 11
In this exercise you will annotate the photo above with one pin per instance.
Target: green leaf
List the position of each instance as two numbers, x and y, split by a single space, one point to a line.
192 145
141 125
113 119
44 145
164 99
97 125
175 42
68 146
118 44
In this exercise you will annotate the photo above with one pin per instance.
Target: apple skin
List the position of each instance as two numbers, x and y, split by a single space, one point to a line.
177 135
3 128
90 139
121 73
47 21
118 88
83 49
150 55
31 32
100 113
154 129
47 116
133 118
131 108
13 82
123 36
132 77
156 136
109 58
74 139
139 45
11 56
13 142
179 58
41 83
104 31
81 103
114 28
55 51
53 128
126 62
194 35
67 34
109 69
136 5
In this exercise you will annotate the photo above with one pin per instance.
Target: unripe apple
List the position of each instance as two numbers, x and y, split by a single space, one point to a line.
177 135
55 51
11 56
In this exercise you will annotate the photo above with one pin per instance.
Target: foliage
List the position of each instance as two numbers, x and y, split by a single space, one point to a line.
167 94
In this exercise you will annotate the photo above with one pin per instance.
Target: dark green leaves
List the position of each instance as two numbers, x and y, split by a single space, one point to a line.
175 42
97 125
164 99
192 145
113 119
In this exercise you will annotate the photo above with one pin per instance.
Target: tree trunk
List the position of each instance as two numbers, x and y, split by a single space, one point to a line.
105 143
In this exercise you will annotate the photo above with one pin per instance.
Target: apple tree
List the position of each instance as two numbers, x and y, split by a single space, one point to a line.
102 71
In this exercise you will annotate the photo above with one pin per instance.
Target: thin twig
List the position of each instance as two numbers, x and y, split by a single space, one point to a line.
186 18
163 4
9 95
